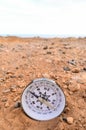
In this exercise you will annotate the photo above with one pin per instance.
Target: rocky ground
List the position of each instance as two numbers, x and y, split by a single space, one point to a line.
22 60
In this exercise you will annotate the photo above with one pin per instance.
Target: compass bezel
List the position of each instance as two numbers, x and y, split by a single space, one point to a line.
43 118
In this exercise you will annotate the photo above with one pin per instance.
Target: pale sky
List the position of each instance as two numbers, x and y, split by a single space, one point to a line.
48 17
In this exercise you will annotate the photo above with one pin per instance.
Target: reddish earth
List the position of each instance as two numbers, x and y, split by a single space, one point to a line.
24 59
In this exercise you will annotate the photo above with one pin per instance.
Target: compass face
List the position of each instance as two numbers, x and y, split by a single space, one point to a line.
43 99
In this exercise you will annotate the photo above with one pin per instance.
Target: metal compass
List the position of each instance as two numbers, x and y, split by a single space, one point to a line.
43 99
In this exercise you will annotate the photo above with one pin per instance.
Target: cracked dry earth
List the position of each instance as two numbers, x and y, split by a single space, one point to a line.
22 60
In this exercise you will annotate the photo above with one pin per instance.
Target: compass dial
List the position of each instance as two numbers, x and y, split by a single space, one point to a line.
43 99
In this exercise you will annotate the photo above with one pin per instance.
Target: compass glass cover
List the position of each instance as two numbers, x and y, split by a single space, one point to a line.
43 99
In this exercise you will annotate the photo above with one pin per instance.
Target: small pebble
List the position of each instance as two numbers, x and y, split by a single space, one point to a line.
70 92
66 93
65 86
75 70
45 75
53 76
67 82
6 91
80 81
17 105
74 88
63 52
46 47
53 43
66 68
23 57
1 79
7 105
67 109
84 69
12 76
20 76
64 119
4 99
17 68
50 47
9 72
72 62
13 88
70 120
84 95
15 99
84 125
48 52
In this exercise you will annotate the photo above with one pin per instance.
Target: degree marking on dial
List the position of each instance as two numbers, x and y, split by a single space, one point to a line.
33 102
38 89
26 102
25 96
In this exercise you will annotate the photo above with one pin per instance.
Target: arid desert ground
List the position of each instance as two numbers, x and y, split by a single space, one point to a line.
24 59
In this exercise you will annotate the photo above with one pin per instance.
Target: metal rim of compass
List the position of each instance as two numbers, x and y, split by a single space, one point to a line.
41 79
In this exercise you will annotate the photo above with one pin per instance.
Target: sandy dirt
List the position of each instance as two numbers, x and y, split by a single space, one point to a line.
23 60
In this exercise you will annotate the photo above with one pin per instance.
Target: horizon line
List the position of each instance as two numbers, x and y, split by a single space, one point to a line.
44 35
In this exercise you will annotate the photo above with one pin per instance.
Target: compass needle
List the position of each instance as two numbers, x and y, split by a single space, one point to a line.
43 100
46 102
33 94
